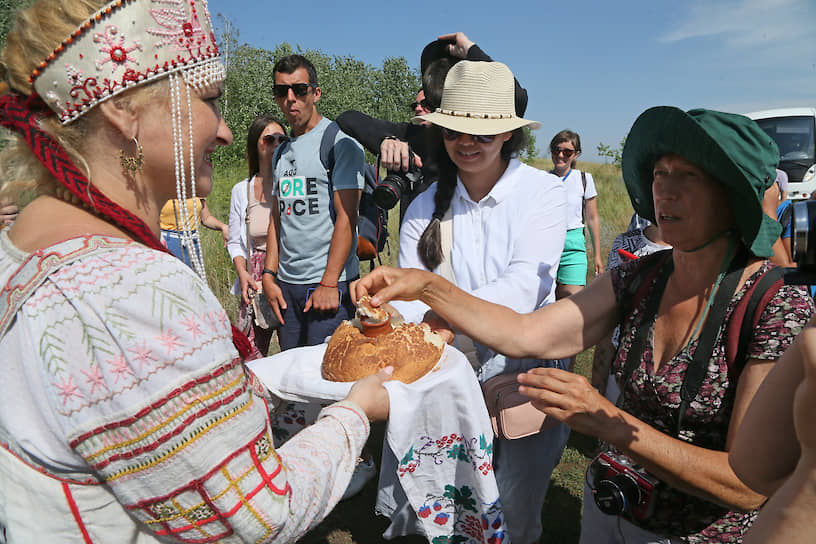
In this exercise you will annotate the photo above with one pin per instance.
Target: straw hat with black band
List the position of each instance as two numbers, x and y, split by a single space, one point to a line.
730 147
478 98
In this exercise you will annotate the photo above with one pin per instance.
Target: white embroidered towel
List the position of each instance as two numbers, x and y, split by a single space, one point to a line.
438 431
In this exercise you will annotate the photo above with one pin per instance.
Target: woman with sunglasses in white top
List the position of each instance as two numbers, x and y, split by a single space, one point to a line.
507 224
265 134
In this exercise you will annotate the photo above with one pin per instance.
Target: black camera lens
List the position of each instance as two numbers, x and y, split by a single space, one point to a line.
803 244
388 191
617 495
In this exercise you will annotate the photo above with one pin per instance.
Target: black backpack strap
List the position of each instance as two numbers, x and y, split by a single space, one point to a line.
583 197
327 160
697 368
652 284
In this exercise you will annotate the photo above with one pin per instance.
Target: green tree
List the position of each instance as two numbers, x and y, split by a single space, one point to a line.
609 153
8 9
346 84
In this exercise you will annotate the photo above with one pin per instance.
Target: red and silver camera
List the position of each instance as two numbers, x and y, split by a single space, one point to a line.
622 488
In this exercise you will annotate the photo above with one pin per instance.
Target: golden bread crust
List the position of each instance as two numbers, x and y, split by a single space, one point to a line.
413 350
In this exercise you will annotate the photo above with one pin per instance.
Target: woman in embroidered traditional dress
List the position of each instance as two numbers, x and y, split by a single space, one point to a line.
264 135
126 414
684 170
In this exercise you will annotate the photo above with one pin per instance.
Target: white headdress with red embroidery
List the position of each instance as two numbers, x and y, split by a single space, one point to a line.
128 43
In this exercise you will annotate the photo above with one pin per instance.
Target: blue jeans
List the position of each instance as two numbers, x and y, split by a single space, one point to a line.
313 327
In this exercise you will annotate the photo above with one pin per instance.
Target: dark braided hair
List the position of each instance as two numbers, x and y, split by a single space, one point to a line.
429 247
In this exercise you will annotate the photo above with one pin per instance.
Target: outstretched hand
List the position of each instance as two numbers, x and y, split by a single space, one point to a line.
385 283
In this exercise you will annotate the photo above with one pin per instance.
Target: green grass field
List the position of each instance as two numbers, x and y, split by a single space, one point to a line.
562 510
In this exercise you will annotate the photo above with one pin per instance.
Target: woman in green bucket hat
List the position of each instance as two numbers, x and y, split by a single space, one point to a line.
662 474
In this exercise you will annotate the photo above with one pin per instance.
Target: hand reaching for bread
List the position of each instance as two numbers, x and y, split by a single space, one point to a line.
385 283
370 395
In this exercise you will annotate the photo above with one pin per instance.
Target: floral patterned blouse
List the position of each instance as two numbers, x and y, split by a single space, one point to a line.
654 397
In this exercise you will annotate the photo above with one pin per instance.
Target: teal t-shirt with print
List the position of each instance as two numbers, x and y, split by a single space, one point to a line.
301 186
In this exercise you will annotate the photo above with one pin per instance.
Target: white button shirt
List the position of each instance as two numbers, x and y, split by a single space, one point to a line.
506 247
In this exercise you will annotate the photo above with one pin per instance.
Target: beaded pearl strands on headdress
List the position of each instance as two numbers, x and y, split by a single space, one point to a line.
128 43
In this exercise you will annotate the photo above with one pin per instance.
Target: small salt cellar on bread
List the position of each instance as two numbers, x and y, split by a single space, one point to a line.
412 349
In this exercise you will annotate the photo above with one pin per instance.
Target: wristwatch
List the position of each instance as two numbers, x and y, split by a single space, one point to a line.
270 272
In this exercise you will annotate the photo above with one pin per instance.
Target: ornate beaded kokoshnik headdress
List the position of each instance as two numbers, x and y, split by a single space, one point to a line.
125 44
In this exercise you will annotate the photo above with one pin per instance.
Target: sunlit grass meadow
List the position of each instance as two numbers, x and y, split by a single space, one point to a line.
562 511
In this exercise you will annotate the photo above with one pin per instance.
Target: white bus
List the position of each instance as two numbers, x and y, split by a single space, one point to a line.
793 130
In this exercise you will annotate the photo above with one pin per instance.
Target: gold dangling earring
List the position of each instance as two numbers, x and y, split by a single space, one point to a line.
132 165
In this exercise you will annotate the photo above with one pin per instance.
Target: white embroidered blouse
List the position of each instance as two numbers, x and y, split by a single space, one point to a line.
120 367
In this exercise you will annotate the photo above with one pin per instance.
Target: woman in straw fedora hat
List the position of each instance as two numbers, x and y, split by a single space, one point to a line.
126 413
686 375
495 227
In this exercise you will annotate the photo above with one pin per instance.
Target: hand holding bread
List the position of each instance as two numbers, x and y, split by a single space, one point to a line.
370 395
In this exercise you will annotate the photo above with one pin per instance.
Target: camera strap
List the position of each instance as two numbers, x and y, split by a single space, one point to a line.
696 371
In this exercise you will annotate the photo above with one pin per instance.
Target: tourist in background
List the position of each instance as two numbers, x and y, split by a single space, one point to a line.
250 213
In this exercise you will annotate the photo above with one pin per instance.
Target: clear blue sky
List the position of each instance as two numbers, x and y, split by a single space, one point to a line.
589 66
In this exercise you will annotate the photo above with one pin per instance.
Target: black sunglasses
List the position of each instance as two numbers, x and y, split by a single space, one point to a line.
563 150
424 104
300 89
276 138
451 135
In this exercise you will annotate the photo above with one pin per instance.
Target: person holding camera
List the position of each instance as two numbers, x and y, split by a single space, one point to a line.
686 371
410 152
249 218
496 227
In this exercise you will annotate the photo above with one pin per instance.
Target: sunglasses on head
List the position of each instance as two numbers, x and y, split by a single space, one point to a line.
563 151
276 138
451 135
300 89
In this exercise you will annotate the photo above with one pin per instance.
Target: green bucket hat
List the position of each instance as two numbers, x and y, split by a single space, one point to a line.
730 147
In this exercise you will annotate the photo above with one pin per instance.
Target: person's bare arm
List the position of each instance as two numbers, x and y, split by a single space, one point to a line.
788 516
212 222
765 451
699 471
325 297
555 331
274 295
594 224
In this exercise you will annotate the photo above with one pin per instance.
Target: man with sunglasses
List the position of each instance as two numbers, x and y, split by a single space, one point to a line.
393 140
314 227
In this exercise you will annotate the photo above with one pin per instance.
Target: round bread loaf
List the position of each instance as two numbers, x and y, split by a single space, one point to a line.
413 350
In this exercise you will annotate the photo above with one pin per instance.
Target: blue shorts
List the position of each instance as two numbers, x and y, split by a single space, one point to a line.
572 270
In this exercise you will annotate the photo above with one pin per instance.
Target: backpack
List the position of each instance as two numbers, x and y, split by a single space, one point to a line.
372 221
